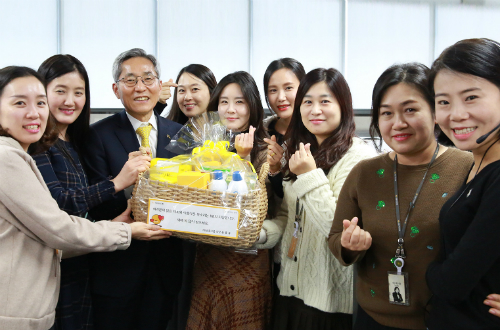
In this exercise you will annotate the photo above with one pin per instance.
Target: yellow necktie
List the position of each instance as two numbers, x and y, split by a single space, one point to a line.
144 134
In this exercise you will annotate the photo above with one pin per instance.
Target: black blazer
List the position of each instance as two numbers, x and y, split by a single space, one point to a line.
119 273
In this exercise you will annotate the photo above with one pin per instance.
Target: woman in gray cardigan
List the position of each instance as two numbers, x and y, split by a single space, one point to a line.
34 232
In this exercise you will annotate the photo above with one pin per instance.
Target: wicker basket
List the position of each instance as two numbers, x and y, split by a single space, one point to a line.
253 207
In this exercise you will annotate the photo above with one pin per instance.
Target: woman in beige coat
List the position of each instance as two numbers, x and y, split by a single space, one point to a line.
34 232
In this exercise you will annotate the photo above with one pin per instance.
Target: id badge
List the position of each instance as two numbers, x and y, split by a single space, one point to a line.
399 292
294 241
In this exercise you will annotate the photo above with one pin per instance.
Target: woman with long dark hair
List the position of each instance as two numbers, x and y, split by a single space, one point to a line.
465 80
321 151
195 84
281 81
68 95
233 290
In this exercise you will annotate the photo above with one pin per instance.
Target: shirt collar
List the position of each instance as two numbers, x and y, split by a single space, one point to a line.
136 123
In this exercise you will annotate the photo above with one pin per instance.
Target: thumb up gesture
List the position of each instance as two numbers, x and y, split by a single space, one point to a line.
354 238
165 91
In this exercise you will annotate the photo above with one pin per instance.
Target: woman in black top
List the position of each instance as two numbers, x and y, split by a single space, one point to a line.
466 82
281 80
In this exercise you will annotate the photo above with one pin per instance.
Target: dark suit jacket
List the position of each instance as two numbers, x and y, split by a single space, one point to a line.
119 273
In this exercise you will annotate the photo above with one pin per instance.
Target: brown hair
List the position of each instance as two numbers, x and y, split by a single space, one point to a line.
55 67
336 145
7 75
199 71
252 98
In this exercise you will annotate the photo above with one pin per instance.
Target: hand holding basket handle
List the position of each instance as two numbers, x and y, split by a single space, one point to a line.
138 162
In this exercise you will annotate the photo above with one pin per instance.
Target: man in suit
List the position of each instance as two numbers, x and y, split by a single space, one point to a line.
135 288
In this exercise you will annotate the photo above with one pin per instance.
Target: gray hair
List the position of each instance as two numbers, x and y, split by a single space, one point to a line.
127 55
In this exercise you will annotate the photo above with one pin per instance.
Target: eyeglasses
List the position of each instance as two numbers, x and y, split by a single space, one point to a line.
131 81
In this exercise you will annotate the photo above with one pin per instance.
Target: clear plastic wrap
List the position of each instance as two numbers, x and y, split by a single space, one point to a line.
175 193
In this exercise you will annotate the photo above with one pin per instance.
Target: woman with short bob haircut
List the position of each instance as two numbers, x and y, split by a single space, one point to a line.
34 232
403 117
465 80
178 113
233 290
315 290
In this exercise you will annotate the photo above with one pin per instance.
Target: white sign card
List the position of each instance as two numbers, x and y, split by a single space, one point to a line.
197 219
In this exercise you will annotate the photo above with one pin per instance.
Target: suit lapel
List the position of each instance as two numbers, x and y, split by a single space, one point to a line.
125 133
164 138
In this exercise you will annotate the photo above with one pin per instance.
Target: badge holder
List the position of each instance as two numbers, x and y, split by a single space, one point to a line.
294 241
399 293
299 211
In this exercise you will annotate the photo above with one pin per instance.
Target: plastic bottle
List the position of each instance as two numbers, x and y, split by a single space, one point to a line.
237 186
218 183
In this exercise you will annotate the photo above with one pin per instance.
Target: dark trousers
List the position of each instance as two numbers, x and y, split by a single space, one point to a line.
148 308
366 322
183 303
291 313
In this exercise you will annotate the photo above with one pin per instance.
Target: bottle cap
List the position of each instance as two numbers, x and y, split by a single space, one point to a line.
237 176
218 175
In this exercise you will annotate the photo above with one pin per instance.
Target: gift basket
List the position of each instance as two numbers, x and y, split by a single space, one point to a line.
189 195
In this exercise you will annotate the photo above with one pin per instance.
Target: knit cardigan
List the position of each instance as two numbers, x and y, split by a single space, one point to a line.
315 276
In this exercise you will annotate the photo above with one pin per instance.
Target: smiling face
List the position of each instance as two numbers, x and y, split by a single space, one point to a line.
233 108
193 95
140 99
467 107
281 92
320 111
24 110
66 96
405 120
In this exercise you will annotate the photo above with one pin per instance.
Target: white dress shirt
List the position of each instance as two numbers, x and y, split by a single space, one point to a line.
153 136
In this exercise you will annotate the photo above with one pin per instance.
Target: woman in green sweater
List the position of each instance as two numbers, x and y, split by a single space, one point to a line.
380 232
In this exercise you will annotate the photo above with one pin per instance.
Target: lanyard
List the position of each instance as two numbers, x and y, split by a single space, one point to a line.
400 252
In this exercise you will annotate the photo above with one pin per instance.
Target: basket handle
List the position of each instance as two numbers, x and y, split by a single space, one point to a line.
264 171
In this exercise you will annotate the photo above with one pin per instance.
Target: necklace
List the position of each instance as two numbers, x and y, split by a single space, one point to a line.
400 252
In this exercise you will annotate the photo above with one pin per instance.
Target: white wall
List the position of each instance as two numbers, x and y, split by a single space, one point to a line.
360 38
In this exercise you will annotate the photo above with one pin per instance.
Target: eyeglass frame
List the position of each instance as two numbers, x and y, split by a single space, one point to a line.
137 80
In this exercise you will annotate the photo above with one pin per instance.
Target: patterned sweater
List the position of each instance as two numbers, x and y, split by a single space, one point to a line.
68 183
315 276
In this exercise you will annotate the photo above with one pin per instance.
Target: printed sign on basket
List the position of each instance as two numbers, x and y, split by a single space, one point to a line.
191 218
